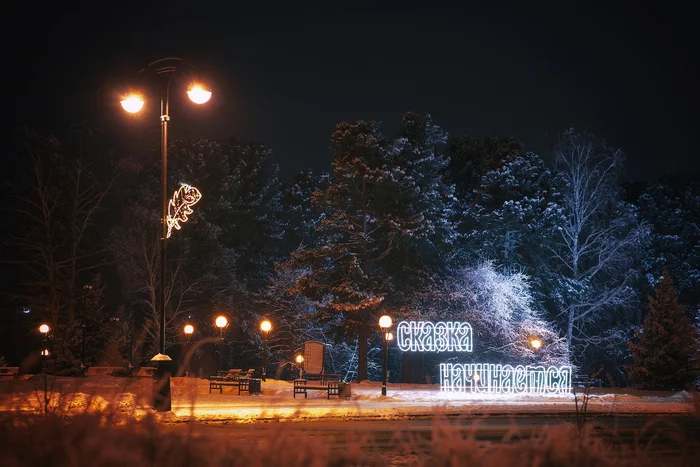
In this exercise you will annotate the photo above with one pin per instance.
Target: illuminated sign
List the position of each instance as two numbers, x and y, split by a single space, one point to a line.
181 206
444 336
504 379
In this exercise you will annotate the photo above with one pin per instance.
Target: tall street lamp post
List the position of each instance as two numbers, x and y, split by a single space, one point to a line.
164 69
221 322
385 323
265 327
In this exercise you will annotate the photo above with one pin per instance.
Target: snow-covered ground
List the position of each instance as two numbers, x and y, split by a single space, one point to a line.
191 399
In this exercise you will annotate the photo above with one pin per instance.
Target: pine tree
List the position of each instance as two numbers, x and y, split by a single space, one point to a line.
666 354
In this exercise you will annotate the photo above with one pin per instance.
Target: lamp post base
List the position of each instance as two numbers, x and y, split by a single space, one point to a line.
161 383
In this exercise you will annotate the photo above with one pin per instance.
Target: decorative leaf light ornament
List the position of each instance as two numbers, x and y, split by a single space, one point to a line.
180 206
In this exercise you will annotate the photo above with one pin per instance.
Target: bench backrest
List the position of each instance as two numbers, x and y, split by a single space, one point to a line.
9 370
313 356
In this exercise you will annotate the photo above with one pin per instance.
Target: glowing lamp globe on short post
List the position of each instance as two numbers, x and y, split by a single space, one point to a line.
385 323
188 330
221 322
44 330
300 363
536 343
265 328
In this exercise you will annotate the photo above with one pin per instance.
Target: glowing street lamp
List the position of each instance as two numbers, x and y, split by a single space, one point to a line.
44 330
265 328
164 70
221 322
188 330
535 343
300 362
385 323
199 94
132 103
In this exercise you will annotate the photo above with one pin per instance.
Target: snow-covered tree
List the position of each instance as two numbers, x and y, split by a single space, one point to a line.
414 192
665 350
386 220
344 276
470 159
597 254
674 217
513 218
300 216
499 304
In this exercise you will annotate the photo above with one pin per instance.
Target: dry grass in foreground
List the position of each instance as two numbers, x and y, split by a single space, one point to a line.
93 439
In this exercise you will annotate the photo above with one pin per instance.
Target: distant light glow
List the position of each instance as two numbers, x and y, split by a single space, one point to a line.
221 321
26 310
536 343
132 103
504 379
189 329
424 336
180 206
44 328
299 359
198 94
45 352
265 326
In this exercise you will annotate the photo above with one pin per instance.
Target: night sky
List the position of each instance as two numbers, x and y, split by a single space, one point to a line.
285 74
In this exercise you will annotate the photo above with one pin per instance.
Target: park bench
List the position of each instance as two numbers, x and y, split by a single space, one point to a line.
332 388
146 372
11 371
234 378
102 370
323 378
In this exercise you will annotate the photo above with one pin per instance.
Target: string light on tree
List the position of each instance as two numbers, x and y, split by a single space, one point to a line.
180 206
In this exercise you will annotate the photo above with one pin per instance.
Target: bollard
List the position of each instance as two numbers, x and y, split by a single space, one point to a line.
161 382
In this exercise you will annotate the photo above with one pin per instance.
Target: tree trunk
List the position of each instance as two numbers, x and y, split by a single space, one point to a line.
362 356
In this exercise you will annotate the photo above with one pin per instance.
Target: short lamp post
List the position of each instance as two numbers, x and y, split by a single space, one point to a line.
300 364
188 330
385 324
265 328
44 330
221 322
164 70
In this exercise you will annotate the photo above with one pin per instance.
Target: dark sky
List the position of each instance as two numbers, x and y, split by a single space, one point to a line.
286 74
